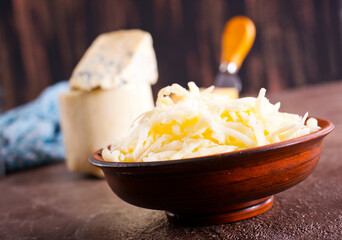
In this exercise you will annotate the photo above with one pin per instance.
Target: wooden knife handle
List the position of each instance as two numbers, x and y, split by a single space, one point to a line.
237 39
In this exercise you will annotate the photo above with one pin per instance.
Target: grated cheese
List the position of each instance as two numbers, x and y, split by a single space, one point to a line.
202 123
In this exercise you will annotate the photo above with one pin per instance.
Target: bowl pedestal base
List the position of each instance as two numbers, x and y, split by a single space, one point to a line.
238 212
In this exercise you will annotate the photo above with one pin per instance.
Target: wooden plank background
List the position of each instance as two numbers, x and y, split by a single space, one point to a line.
297 43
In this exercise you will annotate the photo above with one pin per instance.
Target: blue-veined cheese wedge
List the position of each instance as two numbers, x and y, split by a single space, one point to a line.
114 59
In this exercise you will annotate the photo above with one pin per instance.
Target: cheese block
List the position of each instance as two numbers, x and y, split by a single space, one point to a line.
233 93
116 58
92 120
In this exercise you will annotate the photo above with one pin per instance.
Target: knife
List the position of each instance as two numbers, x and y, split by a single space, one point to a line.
237 39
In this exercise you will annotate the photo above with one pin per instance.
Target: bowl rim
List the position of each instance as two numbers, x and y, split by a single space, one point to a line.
326 127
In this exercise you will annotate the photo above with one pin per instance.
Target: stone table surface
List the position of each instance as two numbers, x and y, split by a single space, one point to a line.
52 203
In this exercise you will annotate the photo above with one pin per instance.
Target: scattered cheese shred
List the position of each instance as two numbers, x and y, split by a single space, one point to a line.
202 123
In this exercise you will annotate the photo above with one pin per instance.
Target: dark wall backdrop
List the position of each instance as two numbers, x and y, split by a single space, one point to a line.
297 43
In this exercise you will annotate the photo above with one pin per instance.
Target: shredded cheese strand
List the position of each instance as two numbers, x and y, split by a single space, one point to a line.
192 123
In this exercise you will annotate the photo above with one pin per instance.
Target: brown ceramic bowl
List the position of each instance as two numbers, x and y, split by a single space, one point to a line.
219 188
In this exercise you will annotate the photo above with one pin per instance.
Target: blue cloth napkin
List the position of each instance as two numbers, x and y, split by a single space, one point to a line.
30 135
